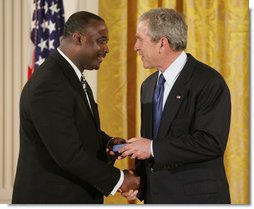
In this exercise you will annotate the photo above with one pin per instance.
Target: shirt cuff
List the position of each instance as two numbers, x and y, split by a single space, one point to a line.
119 183
151 146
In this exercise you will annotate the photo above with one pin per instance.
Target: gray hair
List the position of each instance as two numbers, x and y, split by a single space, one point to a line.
166 23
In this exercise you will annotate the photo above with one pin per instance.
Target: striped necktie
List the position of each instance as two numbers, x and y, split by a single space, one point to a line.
83 83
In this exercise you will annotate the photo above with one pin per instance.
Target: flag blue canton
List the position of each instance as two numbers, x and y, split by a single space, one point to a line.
47 28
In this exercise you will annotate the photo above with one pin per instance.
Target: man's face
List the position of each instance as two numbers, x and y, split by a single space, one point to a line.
147 49
94 45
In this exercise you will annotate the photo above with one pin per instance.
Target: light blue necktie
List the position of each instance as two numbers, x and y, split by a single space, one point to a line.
157 105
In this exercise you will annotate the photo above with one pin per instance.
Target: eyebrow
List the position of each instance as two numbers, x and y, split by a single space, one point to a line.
103 37
138 37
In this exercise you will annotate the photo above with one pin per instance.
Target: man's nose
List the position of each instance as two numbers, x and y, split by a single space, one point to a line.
106 49
135 46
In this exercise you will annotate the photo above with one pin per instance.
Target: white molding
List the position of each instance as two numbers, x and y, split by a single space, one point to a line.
5 195
251 4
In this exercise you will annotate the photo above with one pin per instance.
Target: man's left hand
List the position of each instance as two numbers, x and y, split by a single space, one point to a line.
137 148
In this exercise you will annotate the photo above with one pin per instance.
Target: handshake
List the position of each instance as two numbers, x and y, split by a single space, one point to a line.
136 148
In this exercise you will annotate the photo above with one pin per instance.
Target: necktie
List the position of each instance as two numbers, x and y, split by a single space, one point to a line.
83 82
157 105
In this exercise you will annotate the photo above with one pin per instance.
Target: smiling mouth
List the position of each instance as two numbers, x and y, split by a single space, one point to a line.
101 57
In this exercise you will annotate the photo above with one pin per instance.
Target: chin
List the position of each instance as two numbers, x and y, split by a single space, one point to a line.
146 67
94 67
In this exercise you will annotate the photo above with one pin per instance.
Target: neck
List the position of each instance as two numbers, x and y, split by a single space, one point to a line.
67 48
169 59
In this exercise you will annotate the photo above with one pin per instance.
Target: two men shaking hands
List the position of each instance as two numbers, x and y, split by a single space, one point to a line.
135 148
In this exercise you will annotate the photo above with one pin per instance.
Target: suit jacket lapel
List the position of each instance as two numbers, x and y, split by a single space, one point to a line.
171 107
93 106
74 81
147 106
175 97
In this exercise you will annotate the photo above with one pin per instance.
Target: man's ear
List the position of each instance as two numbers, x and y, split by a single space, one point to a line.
164 42
78 38
164 45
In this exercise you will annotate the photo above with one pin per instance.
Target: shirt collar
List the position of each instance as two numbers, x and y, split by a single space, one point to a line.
75 68
175 68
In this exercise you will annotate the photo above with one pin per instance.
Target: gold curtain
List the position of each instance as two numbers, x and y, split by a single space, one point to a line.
218 35
112 80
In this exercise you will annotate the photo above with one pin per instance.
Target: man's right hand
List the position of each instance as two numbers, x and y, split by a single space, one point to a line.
114 141
131 182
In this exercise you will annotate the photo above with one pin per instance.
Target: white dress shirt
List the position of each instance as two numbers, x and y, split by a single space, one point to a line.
78 73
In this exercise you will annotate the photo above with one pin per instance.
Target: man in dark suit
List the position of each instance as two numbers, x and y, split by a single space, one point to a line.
62 155
185 119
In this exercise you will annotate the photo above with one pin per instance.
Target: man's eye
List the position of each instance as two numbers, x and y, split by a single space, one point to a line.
139 39
102 41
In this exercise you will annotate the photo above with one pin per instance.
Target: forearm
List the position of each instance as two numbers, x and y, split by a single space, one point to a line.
188 148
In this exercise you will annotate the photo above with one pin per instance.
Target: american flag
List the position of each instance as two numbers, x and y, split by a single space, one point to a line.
47 28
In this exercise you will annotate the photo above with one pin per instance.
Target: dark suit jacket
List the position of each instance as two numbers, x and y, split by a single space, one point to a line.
188 152
62 155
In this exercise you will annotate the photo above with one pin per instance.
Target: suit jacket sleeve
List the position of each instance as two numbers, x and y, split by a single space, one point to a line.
52 108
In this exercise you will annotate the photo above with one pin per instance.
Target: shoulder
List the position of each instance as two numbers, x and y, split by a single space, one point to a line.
204 74
150 80
206 83
47 77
